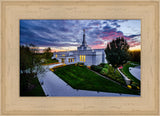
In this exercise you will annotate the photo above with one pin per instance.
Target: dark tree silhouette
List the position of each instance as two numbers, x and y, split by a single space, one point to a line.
29 61
117 52
47 53
30 65
135 56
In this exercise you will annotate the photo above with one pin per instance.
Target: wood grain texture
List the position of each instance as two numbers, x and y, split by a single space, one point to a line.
12 11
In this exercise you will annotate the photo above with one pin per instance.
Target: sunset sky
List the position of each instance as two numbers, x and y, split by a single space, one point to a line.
62 35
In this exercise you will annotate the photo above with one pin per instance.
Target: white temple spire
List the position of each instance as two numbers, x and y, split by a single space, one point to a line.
84 43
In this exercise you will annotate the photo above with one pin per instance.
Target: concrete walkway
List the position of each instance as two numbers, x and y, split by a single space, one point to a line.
54 86
135 71
127 80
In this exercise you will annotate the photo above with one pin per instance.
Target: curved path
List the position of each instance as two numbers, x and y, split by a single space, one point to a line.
136 72
54 86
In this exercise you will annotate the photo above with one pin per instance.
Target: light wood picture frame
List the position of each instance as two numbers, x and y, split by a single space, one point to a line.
14 10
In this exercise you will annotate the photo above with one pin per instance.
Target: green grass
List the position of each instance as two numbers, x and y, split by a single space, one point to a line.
126 72
48 61
132 62
82 78
30 86
51 61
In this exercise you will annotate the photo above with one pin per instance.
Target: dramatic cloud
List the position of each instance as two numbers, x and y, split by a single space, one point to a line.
66 34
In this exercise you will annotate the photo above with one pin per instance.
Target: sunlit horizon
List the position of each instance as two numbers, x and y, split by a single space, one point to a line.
41 49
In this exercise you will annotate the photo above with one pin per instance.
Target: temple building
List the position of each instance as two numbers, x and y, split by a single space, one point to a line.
83 54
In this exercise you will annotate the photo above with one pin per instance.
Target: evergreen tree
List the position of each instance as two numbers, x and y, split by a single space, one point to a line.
117 52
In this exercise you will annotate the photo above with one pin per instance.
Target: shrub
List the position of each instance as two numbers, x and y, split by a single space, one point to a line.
96 68
89 67
104 71
134 85
129 86
110 69
80 64
106 66
102 64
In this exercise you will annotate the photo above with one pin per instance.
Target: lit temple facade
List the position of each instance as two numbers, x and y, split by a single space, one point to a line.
83 54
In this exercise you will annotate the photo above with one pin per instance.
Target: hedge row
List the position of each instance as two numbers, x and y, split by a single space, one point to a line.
96 68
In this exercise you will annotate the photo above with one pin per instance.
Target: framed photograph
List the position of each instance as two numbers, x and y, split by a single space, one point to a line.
79 57
102 59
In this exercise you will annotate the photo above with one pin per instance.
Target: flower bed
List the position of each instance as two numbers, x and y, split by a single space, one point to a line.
108 71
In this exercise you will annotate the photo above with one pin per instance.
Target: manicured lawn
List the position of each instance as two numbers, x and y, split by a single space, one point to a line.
126 72
82 78
30 86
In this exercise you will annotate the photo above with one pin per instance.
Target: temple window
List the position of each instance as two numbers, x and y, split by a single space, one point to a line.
82 58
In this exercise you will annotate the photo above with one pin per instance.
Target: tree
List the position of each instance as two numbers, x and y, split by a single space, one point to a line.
135 56
47 53
25 59
29 60
30 66
117 52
